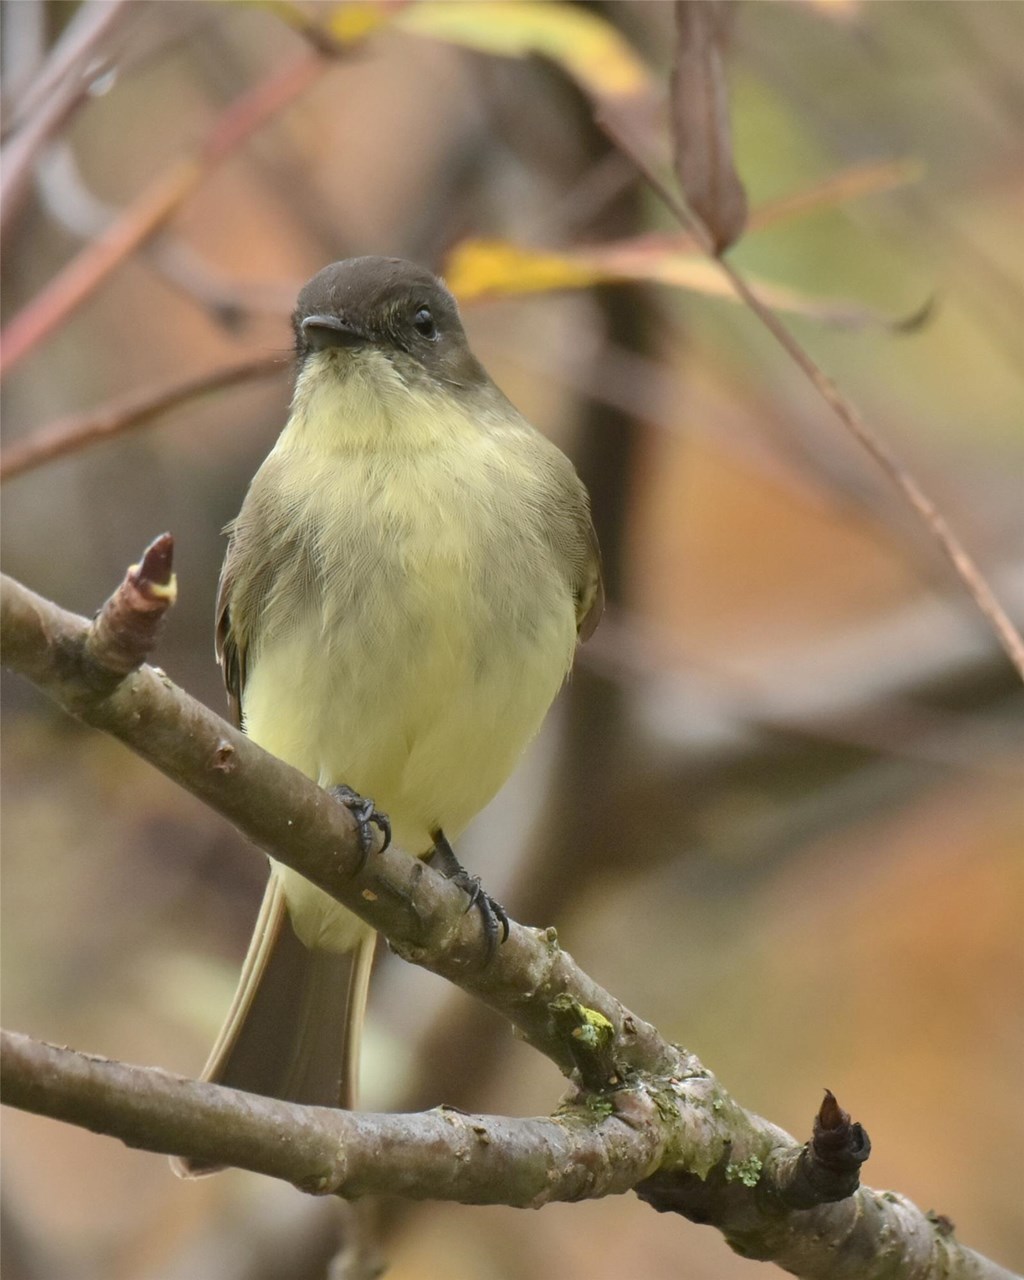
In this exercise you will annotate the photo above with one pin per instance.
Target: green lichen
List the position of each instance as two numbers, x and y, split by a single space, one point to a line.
595 1031
590 1039
599 1108
746 1171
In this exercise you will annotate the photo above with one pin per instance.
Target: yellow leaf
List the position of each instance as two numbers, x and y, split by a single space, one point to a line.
488 268
351 23
494 268
591 51
346 24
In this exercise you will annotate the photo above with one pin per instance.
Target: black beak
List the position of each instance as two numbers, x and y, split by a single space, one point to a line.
322 332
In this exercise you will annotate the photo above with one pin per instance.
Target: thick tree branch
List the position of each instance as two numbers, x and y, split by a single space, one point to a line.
434 1155
586 1151
654 1109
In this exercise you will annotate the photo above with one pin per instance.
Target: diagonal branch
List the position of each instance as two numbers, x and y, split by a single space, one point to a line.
69 435
60 89
154 206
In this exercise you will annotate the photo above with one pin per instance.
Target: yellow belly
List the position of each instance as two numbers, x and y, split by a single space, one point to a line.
421 699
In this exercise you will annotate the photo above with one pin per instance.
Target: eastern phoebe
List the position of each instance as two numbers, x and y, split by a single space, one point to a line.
400 602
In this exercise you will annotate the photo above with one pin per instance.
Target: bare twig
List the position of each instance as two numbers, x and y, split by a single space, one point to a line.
152 208
850 183
68 201
126 630
78 431
828 1167
963 564
57 91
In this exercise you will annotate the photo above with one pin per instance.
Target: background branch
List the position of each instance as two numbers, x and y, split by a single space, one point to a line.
624 134
153 207
58 90
140 409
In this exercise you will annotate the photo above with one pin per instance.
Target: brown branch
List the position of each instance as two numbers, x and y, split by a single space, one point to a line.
963 563
874 1235
584 1152
78 431
434 1155
153 207
624 136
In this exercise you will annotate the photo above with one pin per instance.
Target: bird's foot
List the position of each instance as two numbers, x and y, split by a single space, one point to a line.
367 816
492 913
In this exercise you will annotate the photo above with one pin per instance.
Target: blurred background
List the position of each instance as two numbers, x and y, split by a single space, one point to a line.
778 809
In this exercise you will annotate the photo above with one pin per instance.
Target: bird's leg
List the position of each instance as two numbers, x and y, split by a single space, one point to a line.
494 915
366 815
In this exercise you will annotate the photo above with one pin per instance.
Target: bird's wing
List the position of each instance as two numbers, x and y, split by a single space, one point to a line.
229 648
589 587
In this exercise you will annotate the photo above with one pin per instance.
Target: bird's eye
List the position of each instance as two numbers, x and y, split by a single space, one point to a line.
423 323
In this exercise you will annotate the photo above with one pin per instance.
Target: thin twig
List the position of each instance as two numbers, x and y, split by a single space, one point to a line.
55 94
126 630
78 431
963 564
153 207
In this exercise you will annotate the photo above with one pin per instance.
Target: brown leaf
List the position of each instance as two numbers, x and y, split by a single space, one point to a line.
700 120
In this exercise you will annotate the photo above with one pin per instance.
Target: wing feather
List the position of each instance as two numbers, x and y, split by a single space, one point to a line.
230 653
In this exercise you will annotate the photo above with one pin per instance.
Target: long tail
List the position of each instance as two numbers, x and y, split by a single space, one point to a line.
294 1027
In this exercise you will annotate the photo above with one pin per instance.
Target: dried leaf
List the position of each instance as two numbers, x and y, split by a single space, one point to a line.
702 135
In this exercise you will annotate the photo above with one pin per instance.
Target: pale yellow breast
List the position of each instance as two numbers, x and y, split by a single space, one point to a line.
428 657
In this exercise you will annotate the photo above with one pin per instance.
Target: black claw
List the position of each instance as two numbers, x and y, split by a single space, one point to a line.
492 914
366 815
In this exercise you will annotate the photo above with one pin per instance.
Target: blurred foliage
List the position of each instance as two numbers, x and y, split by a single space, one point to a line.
778 812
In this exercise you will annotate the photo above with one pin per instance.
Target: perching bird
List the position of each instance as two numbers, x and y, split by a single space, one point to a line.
400 602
